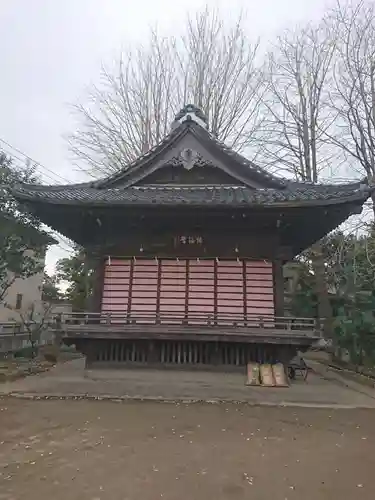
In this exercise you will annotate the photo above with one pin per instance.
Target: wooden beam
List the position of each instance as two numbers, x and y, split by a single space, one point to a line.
130 290
278 287
187 273
158 289
215 290
202 334
244 284
98 264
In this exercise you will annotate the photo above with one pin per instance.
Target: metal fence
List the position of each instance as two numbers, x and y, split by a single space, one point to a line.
13 338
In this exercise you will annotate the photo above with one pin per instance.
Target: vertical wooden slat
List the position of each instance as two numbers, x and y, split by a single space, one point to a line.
144 352
166 352
244 290
158 291
215 290
131 275
125 352
278 287
187 291
243 355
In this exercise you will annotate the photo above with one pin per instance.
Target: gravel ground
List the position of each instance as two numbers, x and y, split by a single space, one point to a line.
106 450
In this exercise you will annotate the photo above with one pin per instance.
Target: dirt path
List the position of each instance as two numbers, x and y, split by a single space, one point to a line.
105 450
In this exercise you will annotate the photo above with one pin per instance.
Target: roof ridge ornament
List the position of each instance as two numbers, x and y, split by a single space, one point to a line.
190 112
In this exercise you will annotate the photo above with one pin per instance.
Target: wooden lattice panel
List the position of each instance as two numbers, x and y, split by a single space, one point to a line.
192 291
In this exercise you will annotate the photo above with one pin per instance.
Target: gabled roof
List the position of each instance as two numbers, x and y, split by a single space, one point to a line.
253 185
238 166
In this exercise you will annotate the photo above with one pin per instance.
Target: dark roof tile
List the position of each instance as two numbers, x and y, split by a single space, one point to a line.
194 195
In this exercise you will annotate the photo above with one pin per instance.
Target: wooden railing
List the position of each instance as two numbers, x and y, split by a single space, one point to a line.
286 324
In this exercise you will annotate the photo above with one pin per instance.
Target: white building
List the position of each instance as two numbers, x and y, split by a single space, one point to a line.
25 295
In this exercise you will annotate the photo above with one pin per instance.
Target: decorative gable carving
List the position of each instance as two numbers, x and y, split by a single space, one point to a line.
188 157
175 172
192 159
189 167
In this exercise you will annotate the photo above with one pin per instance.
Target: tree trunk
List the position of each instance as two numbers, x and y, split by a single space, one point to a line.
321 290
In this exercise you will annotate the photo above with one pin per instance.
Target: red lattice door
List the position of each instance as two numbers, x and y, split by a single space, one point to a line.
189 291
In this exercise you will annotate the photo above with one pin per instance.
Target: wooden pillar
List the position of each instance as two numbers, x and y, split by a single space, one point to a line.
152 354
278 287
94 296
215 359
90 350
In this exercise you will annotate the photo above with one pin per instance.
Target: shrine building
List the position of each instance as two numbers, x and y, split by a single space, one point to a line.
186 246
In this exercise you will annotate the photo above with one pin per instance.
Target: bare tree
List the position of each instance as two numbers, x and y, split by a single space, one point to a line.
210 65
353 96
34 322
296 104
297 119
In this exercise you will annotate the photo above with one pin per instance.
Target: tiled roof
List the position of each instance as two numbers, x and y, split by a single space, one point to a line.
246 166
121 188
195 195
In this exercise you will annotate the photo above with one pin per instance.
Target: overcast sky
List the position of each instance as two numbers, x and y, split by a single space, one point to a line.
51 50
